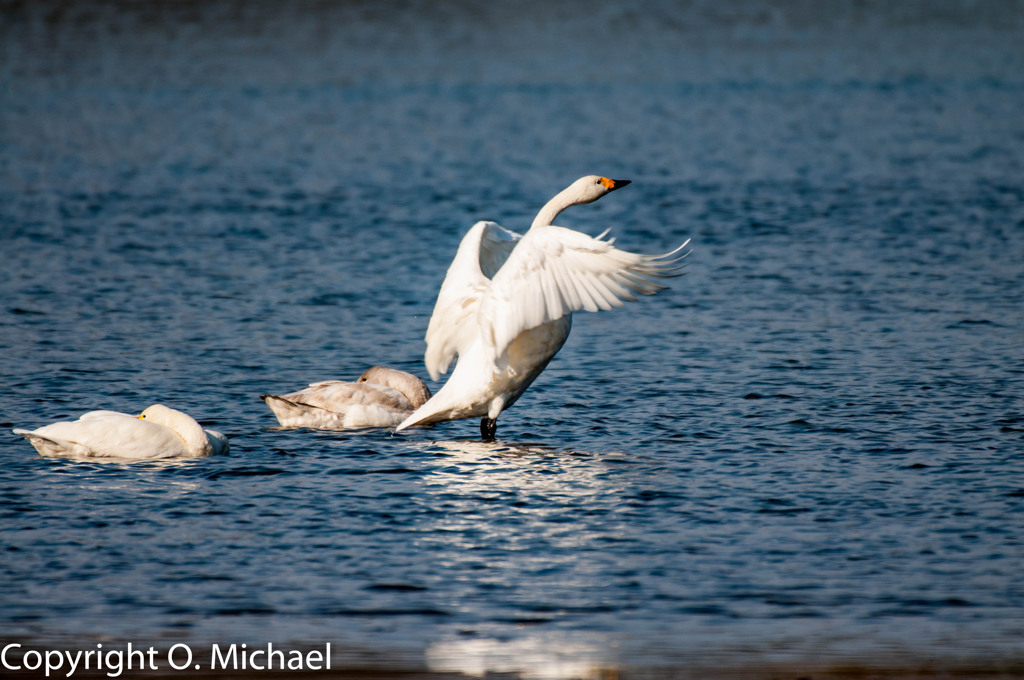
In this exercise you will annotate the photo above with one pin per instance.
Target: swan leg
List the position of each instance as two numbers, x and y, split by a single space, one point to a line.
488 426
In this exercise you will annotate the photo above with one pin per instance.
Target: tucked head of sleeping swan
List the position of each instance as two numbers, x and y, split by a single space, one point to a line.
409 385
198 442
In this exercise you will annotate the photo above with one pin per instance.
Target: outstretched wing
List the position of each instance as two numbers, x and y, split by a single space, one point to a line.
554 271
482 252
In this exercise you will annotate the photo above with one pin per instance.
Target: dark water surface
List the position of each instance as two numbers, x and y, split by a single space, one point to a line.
807 451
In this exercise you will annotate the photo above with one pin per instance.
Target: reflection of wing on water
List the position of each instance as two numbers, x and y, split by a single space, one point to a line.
473 450
528 467
505 519
524 493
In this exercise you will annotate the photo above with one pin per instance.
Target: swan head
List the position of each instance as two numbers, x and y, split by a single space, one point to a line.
414 389
593 187
586 189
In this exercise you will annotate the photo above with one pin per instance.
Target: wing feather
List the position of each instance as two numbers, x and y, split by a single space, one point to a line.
482 252
622 293
567 286
555 271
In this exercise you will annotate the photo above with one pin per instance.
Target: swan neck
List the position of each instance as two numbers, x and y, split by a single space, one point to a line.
564 199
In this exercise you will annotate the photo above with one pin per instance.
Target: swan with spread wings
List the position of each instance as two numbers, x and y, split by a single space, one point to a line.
505 307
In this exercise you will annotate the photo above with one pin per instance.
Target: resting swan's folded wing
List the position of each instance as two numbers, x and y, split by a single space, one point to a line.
482 252
555 271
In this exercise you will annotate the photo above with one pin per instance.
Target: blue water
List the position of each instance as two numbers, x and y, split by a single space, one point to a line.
807 451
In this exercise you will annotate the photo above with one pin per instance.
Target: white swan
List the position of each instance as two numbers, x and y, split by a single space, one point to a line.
382 397
160 432
505 307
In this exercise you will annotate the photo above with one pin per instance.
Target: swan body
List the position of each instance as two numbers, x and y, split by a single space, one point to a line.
159 433
382 397
505 306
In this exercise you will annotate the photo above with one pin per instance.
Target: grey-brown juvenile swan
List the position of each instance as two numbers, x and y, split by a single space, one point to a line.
382 397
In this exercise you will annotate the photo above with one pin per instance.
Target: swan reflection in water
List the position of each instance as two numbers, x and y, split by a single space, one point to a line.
475 451
472 451
525 491
506 527
544 475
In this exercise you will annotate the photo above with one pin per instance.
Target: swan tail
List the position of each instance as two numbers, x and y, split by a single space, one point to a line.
51 446
285 410
424 415
273 400
447 404
459 398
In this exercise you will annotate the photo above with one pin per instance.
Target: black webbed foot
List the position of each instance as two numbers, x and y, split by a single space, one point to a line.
487 428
